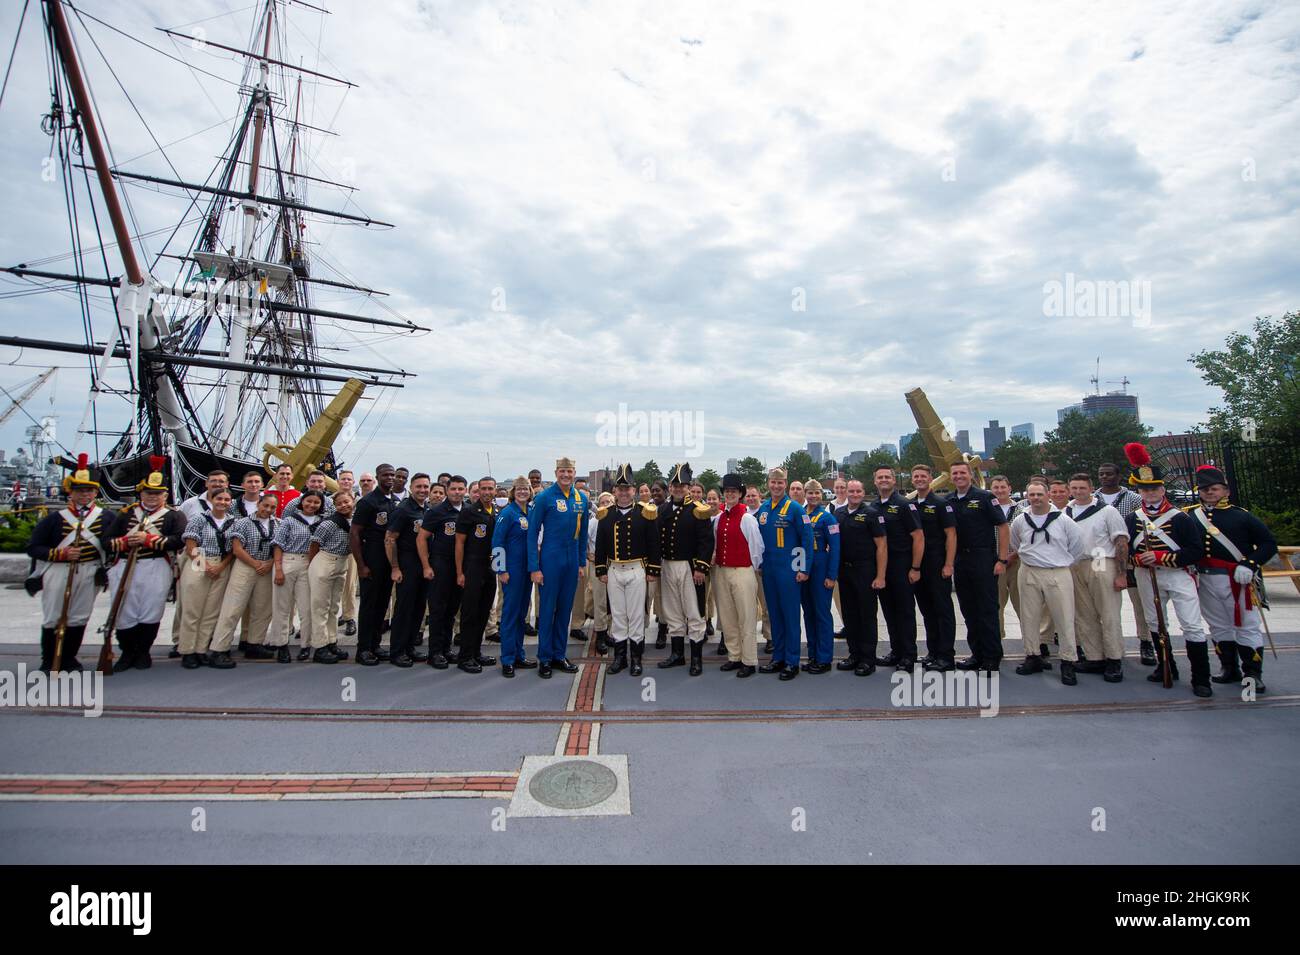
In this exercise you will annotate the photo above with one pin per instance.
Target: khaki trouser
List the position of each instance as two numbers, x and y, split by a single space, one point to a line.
710 605
582 598
1008 589
293 594
203 597
681 606
1139 613
838 609
1052 588
248 596
738 596
326 576
1096 608
627 601
762 607
348 604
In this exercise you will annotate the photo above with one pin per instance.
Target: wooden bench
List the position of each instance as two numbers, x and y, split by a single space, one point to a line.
1288 568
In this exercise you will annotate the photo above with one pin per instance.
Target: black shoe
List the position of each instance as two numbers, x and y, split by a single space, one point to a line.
469 666
243 646
697 658
257 651
191 661
745 670
419 638
350 628
418 656
1034 664
1067 673
220 660
143 661
708 628
523 663
839 635
382 653
124 662
818 668
634 657
544 671
402 660
438 661
1229 668
619 663
173 654
304 653
971 662
888 660
848 663
731 665
577 634
492 637
1090 666
1114 671
325 654
676 657
1147 653
339 651
789 673
767 647
1158 675
864 668
530 630
485 661
1042 651
341 621
367 659
939 665
661 637
773 666
508 671
563 665
904 665
282 655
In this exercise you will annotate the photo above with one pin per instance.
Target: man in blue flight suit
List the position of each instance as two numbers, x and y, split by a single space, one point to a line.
559 515
787 552
820 585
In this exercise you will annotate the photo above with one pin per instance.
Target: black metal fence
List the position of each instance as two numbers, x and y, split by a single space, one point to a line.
1263 470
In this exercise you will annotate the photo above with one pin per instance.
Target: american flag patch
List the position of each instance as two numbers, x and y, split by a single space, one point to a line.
833 529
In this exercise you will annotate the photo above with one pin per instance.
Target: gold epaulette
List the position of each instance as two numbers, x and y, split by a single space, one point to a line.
601 512
703 511
649 511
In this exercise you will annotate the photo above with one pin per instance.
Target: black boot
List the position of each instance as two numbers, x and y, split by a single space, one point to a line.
72 637
722 645
1147 652
697 658
47 649
1161 649
147 633
661 639
620 657
1198 654
1252 665
602 641
126 641
634 661
675 658
1229 670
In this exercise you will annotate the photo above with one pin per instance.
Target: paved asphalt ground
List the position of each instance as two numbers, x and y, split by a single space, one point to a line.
823 769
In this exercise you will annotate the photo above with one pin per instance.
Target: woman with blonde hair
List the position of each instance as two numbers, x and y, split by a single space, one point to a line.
510 561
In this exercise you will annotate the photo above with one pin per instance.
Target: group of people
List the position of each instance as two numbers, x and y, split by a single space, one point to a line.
406 554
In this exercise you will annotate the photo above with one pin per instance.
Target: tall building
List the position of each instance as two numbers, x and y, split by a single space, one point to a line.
818 451
852 458
1093 405
962 440
733 465
903 441
891 448
994 437
1023 431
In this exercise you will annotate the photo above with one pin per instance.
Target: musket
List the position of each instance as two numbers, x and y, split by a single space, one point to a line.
62 628
1259 603
1166 676
106 652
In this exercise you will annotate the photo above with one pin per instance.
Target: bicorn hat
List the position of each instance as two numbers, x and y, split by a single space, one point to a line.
623 476
679 474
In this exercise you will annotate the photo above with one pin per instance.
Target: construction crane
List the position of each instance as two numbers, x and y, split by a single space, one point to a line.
30 390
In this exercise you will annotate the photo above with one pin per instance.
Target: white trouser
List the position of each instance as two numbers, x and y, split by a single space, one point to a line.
1177 587
54 583
293 594
626 586
1217 611
681 606
146 592
248 595
325 578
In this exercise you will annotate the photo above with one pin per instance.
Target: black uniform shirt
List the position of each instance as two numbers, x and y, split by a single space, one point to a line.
858 532
978 515
440 521
936 517
901 519
477 522
404 521
372 514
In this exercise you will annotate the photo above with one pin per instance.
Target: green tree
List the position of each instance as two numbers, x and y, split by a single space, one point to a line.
1257 374
709 478
649 474
914 453
752 471
865 470
1080 443
1019 459
799 466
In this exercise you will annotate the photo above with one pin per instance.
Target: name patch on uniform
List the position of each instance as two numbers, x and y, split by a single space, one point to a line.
561 505
480 530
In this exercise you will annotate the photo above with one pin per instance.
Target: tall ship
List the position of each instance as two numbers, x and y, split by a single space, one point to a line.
228 338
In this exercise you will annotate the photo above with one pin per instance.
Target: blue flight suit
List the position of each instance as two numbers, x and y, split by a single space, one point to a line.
510 555
787 538
825 566
563 550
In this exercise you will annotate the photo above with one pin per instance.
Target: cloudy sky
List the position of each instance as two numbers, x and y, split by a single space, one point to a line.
773 218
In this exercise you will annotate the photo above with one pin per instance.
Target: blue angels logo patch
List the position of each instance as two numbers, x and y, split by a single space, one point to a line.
381 518
480 530
561 505
523 523
762 517
449 528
